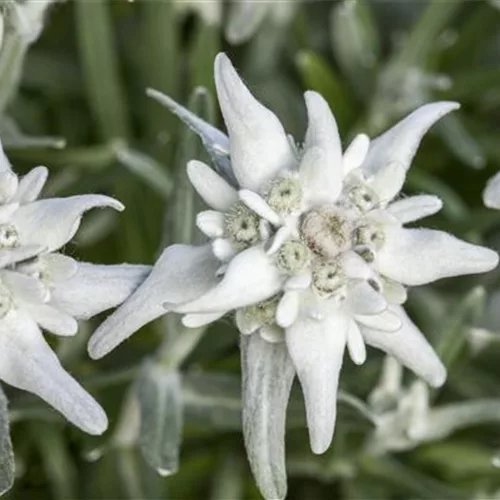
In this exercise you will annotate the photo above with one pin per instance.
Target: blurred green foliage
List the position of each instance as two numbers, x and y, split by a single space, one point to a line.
83 84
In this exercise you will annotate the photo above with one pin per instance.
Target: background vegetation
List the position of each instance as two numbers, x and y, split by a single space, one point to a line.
75 101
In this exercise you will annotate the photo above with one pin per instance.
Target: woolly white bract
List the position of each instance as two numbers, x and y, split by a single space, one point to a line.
308 247
43 289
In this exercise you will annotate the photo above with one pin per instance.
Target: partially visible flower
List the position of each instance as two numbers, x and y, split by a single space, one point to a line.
405 417
43 289
308 247
246 17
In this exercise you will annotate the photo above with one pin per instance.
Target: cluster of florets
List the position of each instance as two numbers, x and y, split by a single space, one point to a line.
310 255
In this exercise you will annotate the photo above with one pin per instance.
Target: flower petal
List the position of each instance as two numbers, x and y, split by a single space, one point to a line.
363 299
52 319
288 309
267 373
259 145
491 194
214 141
6 212
211 223
246 323
317 350
415 208
322 133
223 249
388 321
356 152
356 344
31 185
319 186
409 347
199 320
24 288
256 203
215 191
54 221
4 161
272 334
13 255
394 292
27 362
400 143
182 273
388 181
57 267
8 186
251 277
96 288
420 256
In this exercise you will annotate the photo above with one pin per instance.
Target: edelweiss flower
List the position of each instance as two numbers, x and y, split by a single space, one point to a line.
308 247
43 289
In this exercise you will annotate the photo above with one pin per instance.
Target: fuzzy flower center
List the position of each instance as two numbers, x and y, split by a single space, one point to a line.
327 231
242 226
9 237
285 195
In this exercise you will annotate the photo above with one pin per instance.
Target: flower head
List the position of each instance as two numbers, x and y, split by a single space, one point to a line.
42 289
307 246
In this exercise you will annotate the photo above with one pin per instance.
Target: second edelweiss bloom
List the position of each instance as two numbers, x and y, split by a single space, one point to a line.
308 247
41 289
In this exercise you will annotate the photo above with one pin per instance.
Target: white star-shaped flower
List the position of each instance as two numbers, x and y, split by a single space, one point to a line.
43 289
308 246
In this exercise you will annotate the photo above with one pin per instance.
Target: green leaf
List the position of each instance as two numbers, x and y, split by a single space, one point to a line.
453 338
457 459
472 85
461 142
229 478
99 60
56 458
454 207
479 27
6 453
421 41
147 169
408 480
14 138
11 63
355 43
158 64
180 226
160 398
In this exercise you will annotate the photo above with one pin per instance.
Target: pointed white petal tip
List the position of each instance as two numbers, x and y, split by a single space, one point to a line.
256 203
319 444
97 423
438 377
356 152
258 143
400 143
199 320
491 194
214 190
